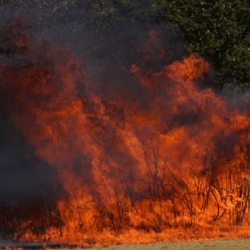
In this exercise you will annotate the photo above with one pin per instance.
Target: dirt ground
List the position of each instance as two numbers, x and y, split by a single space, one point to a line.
238 244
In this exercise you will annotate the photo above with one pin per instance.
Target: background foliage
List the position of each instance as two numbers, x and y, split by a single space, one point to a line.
218 29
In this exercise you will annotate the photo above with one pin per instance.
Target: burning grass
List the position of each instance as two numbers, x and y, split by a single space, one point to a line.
162 160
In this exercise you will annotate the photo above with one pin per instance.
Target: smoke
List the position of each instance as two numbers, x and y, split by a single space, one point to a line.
96 65
23 176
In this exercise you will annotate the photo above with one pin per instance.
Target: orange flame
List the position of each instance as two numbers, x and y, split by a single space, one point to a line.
126 167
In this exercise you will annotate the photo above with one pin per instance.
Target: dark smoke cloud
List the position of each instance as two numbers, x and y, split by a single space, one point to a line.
107 59
22 175
24 179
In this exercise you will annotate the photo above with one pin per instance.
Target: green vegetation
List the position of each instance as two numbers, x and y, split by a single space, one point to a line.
219 29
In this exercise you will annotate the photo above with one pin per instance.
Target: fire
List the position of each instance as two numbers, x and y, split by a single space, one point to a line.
159 164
